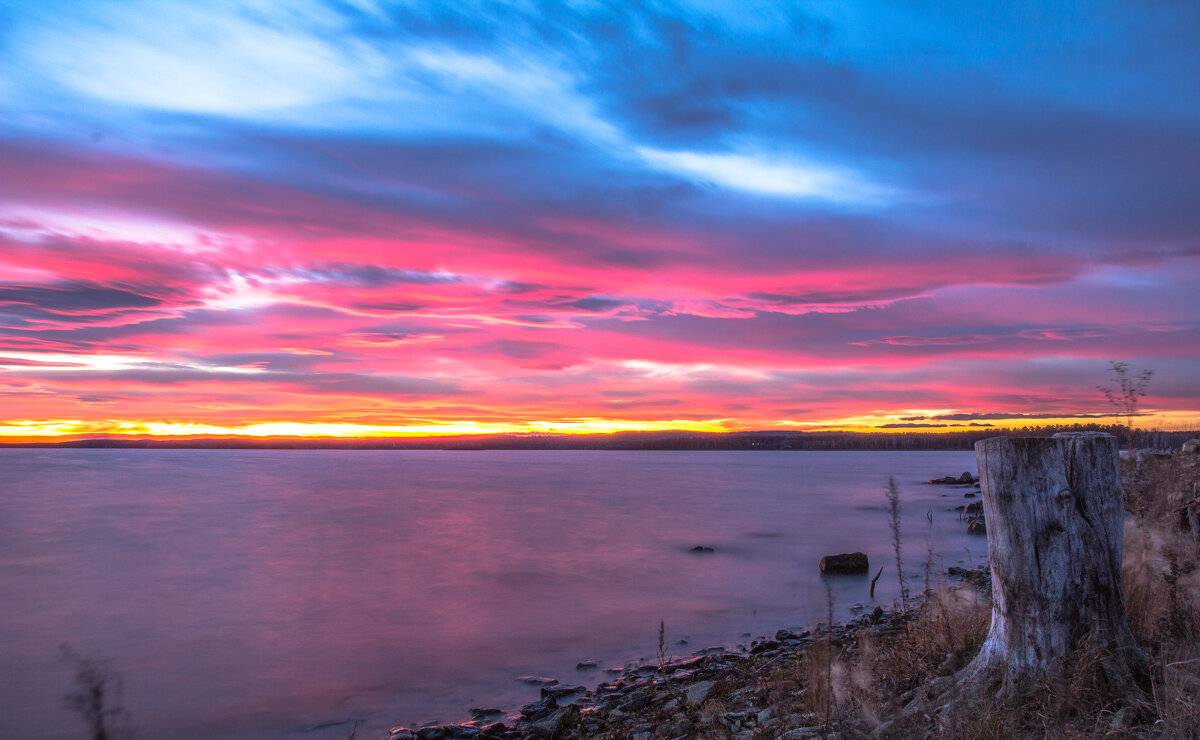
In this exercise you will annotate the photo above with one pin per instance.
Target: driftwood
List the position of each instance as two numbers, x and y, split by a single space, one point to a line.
1055 513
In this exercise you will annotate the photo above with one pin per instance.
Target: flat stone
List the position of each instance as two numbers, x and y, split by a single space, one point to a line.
559 692
495 729
538 680
803 732
481 712
699 692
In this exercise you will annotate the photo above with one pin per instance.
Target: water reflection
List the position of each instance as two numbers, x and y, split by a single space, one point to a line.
266 593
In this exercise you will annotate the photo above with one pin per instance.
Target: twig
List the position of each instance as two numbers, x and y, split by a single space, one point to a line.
1182 662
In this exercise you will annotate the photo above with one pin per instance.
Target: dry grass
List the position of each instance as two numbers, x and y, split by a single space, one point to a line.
886 671
1165 615
1161 581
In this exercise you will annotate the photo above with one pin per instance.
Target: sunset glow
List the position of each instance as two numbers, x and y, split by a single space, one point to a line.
375 219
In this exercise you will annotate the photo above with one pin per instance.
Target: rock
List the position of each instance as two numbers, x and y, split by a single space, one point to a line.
1191 447
553 724
765 716
643 736
538 680
764 646
976 525
635 701
586 665
702 548
480 713
559 692
970 494
846 563
448 732
1125 717
803 732
975 508
966 477
401 733
786 636
494 730
699 692
539 708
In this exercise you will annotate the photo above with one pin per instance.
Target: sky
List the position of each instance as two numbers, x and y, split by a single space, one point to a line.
360 217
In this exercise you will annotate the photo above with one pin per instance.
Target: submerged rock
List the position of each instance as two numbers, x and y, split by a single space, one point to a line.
480 713
559 692
702 548
845 564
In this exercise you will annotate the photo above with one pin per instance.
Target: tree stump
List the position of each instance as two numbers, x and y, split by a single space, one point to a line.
1055 514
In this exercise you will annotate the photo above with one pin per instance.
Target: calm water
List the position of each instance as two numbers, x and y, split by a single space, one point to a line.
280 594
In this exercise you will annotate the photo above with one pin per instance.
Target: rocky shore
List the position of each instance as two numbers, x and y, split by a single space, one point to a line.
755 693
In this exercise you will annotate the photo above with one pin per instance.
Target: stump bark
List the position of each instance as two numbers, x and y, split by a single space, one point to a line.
1055 515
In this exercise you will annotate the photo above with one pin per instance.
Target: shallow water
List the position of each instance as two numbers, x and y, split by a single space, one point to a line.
285 593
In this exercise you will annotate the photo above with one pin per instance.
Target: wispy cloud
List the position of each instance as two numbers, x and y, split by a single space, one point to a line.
771 176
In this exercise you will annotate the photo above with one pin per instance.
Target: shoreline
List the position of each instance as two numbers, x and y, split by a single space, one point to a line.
711 692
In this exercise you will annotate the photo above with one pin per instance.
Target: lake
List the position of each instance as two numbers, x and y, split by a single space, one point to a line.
285 593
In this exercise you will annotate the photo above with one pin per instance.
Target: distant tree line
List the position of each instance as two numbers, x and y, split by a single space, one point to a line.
779 441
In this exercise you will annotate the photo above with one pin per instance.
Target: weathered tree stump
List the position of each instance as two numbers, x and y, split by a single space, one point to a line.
1055 514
